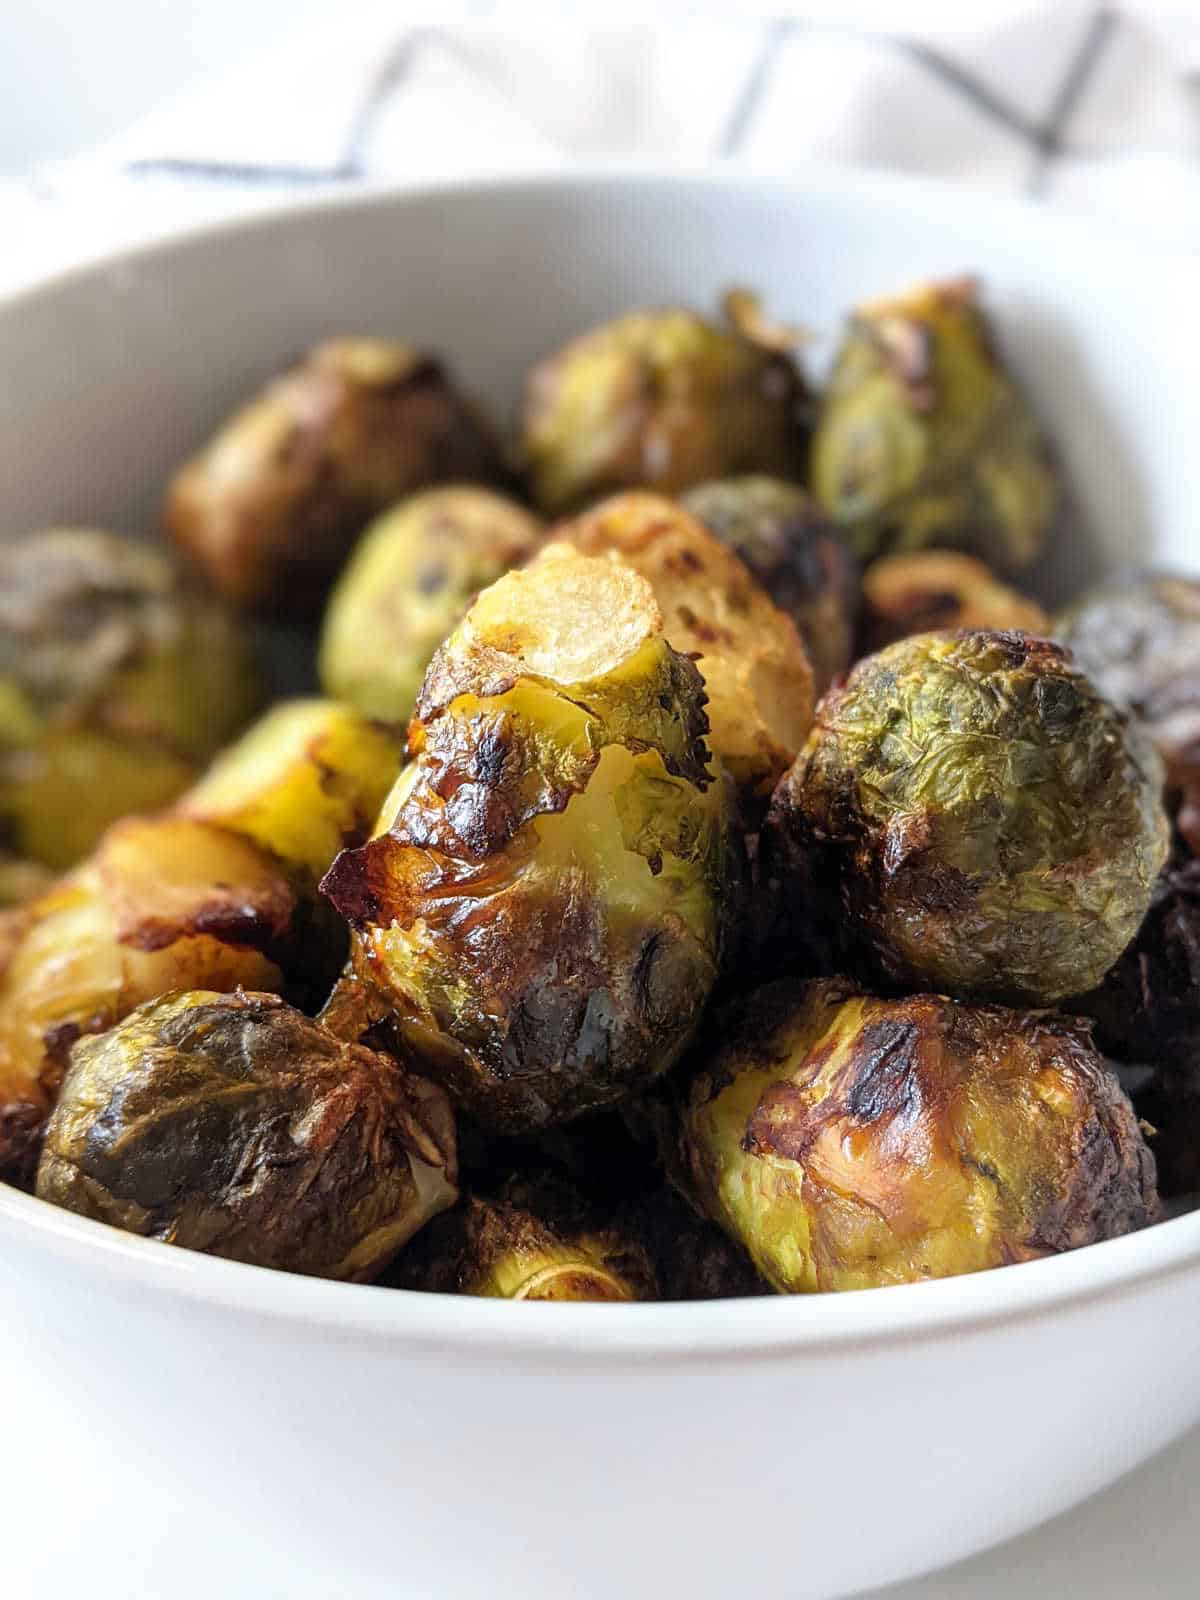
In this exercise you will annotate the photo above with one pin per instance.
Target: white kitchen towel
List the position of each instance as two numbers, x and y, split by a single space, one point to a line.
1087 106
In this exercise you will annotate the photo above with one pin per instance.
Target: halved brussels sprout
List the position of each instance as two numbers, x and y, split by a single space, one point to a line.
117 683
537 1241
270 507
541 904
234 1125
662 399
756 672
924 438
307 779
411 578
850 1142
1138 638
792 548
936 589
994 827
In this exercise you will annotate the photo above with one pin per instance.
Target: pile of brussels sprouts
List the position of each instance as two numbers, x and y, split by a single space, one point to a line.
702 873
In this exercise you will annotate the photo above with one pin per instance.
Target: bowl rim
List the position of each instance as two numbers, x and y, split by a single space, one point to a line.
765 1327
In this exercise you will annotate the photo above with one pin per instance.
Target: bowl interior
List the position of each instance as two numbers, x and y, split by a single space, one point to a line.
110 374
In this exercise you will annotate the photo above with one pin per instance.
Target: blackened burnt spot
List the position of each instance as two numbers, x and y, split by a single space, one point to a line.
1058 702
491 752
884 1080
347 886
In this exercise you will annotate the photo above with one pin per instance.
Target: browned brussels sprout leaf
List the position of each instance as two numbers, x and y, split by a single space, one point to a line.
271 506
410 581
924 438
118 682
541 904
537 1241
850 1142
661 399
234 1125
993 827
1138 639
933 589
756 672
792 548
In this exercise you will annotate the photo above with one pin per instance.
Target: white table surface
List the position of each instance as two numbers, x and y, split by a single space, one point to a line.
78 1517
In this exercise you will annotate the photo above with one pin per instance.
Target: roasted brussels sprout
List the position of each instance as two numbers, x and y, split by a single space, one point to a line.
305 780
850 1142
270 507
756 673
219 894
164 903
993 826
235 1125
117 683
664 399
410 581
923 438
793 550
541 903
1138 639
934 589
537 1241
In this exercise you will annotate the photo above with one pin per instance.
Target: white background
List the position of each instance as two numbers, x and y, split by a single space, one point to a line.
76 71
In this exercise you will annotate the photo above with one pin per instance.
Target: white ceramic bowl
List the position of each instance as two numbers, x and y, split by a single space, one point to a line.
804 1447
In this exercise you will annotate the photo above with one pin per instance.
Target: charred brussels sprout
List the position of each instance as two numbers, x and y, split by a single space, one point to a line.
537 1241
219 894
540 905
851 1142
934 589
797 556
662 399
270 507
164 903
234 1125
1138 639
755 670
409 582
993 826
305 780
923 437
117 683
